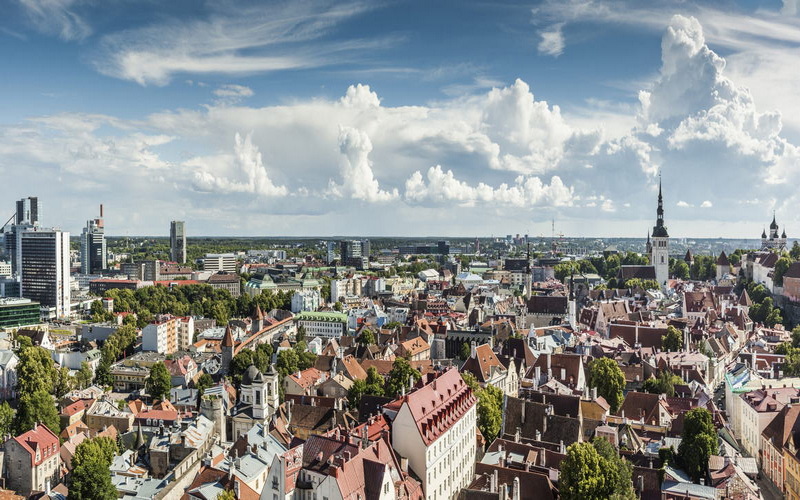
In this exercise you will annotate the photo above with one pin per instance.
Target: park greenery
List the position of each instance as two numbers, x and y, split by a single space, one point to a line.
195 300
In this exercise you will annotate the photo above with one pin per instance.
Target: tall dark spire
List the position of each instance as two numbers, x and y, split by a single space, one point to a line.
659 230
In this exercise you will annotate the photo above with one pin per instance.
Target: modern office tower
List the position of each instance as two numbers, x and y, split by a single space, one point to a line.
26 216
177 241
331 247
354 253
28 211
43 261
93 246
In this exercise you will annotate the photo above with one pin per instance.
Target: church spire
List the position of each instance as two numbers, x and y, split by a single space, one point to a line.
659 230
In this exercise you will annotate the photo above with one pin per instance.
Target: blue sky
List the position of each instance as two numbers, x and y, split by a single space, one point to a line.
403 118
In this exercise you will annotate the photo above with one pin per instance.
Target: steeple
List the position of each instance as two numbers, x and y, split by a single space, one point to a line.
659 230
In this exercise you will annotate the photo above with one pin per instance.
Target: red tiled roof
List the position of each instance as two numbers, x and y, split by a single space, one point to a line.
439 404
77 406
40 439
307 378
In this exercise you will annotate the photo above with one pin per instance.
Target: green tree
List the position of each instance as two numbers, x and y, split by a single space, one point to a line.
36 407
23 342
35 371
301 333
465 351
226 495
794 253
663 384
618 471
606 375
287 362
63 382
366 337
773 318
203 382
581 476
6 420
673 340
98 448
471 382
680 269
399 376
355 393
91 480
699 442
239 365
159 383
84 377
780 269
490 412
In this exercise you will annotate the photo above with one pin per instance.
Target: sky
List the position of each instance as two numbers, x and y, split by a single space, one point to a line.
406 118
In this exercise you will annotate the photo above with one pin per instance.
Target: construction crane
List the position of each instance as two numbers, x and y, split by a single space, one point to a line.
3 227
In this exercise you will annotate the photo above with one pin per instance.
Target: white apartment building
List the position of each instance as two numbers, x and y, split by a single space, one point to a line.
305 300
434 428
219 262
168 334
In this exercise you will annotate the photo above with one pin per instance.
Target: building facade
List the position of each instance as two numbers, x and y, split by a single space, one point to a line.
177 241
32 461
43 257
322 324
217 262
435 430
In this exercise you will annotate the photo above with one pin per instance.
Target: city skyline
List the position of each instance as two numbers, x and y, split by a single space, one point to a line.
354 118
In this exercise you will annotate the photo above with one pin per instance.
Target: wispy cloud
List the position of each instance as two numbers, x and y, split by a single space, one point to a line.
552 43
57 17
232 93
263 39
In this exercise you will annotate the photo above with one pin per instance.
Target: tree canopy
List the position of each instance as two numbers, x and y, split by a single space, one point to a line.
159 383
673 340
91 477
35 407
606 375
663 384
595 471
698 444
399 377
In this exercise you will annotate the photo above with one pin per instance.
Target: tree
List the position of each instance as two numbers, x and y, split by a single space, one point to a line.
794 253
301 333
595 471
663 384
159 383
618 471
37 407
400 376
102 448
355 393
781 266
204 382
83 378
366 337
63 382
698 444
490 412
226 495
465 351
606 375
287 362
239 364
773 318
680 269
6 420
91 480
673 340
35 371
581 475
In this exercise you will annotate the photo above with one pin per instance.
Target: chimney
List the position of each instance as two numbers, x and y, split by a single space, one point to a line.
515 489
473 351
549 362
563 374
594 393
522 412
404 465
517 435
493 482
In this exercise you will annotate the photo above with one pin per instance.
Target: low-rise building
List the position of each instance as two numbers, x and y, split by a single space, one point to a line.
229 281
322 324
32 461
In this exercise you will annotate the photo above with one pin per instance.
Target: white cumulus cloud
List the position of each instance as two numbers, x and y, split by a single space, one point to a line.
358 179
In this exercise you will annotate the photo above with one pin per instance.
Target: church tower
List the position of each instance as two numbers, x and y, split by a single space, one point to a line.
659 245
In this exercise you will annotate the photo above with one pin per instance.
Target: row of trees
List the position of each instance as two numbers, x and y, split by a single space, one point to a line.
195 300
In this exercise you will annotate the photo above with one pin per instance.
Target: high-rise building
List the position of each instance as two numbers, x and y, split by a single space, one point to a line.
28 211
659 248
26 216
354 253
177 241
43 266
93 246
